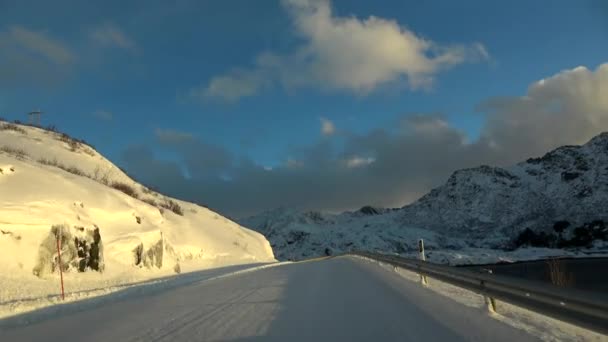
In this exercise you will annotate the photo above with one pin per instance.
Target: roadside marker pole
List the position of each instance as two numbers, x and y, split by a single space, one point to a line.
422 257
59 261
490 302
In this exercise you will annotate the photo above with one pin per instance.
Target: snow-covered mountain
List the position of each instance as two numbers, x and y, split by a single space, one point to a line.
297 235
52 185
483 207
569 183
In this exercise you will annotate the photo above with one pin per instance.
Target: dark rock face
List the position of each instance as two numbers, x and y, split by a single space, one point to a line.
314 216
560 226
296 236
95 260
138 255
369 210
582 236
568 176
153 256
88 249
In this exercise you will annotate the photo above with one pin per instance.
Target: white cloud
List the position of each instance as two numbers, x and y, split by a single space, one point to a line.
103 115
567 108
359 162
39 43
327 127
292 163
33 58
344 53
241 83
110 35
170 136
428 125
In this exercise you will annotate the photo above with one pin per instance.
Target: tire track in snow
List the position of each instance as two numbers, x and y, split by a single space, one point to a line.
191 319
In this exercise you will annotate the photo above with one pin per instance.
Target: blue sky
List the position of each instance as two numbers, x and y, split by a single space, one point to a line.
184 83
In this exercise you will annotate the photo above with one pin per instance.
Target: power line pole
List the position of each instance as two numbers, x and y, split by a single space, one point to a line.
35 117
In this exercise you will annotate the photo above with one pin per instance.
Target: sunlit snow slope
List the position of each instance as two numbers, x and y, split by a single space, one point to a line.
35 194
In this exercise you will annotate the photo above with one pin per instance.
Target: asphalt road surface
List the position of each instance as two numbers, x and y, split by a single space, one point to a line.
337 299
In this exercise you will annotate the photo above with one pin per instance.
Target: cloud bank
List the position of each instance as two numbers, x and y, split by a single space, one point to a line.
110 35
386 166
103 115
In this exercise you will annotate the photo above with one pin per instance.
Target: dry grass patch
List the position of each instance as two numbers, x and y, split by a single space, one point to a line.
173 206
125 188
11 127
16 152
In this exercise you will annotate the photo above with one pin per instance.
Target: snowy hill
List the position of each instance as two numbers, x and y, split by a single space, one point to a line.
108 221
482 207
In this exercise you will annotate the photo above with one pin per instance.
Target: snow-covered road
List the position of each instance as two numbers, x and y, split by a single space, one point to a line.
339 299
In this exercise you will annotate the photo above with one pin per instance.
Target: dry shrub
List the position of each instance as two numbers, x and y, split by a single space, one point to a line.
101 176
173 206
150 201
71 169
74 144
19 153
558 274
12 127
76 171
125 188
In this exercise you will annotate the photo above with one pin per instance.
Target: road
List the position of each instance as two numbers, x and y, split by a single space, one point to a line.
339 299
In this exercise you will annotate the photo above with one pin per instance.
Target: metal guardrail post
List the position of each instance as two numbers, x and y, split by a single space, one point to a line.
491 304
422 257
490 301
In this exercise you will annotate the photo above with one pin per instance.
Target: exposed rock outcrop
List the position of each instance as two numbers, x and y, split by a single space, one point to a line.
81 250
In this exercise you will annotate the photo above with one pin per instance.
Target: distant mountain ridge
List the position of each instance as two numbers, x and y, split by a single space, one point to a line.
483 206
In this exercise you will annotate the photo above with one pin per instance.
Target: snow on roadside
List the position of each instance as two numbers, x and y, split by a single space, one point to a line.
94 292
543 327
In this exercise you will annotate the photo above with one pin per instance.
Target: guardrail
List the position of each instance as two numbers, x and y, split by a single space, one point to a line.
585 309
